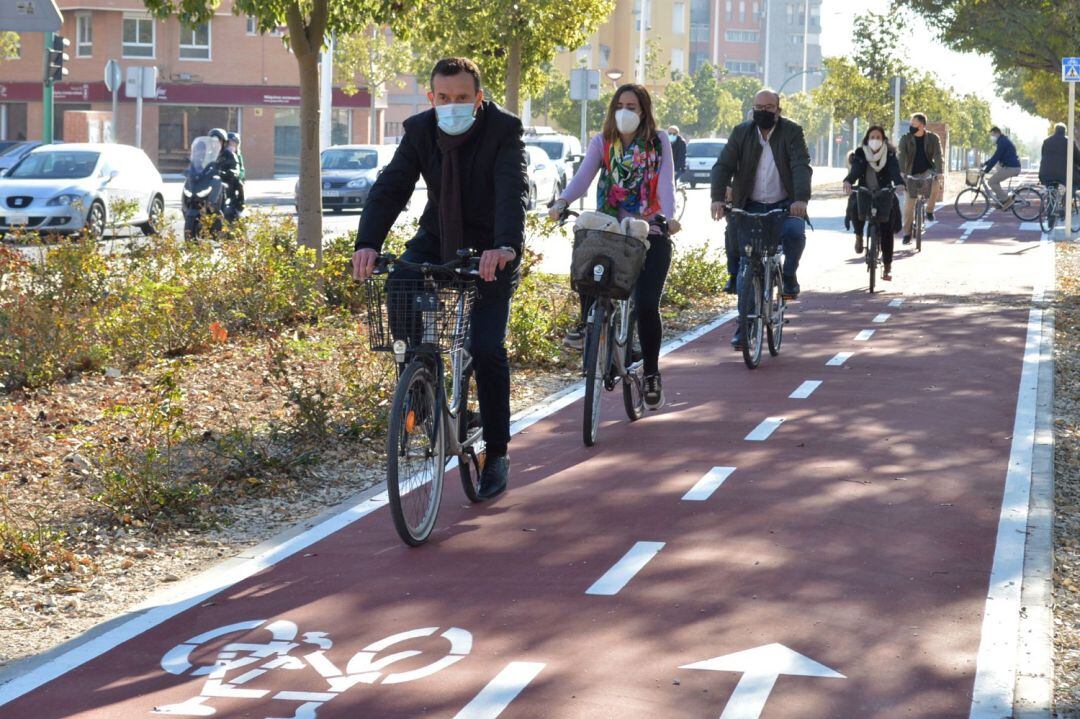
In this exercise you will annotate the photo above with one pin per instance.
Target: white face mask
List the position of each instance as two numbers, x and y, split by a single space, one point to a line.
875 144
627 121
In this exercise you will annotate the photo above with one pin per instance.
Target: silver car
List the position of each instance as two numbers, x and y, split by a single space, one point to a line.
348 172
66 188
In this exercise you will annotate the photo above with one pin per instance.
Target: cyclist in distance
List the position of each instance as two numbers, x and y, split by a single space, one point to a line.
472 158
920 156
874 166
1008 163
1055 155
637 179
767 166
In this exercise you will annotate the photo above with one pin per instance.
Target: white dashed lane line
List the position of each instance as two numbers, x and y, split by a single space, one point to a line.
897 302
500 691
839 359
763 430
708 484
624 570
864 335
882 318
805 389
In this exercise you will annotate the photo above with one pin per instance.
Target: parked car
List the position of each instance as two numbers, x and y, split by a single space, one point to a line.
543 177
701 155
66 188
14 152
348 172
563 150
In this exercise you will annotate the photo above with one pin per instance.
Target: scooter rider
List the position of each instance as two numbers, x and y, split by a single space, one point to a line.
229 169
238 196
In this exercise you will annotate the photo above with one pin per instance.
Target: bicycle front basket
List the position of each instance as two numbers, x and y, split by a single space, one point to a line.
606 263
418 312
923 186
883 202
971 177
761 234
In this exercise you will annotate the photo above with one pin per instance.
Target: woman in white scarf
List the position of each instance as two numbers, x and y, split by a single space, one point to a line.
874 166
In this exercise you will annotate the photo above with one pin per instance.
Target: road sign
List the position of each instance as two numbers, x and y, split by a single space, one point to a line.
1070 69
30 16
113 76
584 84
141 82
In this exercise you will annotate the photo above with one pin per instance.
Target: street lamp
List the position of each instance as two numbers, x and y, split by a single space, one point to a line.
613 74
798 74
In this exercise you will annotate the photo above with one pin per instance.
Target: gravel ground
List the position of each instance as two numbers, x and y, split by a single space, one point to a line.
1067 483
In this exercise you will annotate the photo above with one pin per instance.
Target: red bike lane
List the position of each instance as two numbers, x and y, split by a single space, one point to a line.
828 545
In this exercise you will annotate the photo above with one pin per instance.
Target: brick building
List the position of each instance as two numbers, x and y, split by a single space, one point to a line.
220 74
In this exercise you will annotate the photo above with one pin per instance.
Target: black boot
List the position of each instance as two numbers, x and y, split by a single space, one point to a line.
858 243
493 478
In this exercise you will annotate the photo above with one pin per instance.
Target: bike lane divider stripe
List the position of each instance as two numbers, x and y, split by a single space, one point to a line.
896 302
624 570
708 484
839 358
500 691
765 429
805 389
882 318
864 335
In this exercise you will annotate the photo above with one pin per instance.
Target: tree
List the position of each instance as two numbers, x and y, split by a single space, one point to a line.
554 103
879 55
308 21
803 108
743 89
656 70
377 56
512 41
9 45
847 94
678 105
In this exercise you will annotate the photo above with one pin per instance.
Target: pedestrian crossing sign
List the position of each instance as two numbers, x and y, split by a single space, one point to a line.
1070 69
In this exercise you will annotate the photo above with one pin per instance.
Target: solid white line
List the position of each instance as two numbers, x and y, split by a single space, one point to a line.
708 484
805 389
170 602
500 691
995 673
897 302
882 318
766 428
864 335
624 570
839 359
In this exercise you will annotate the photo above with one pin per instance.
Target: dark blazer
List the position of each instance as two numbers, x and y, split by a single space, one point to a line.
739 160
494 196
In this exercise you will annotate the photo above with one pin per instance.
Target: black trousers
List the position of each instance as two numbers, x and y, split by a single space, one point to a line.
885 236
486 345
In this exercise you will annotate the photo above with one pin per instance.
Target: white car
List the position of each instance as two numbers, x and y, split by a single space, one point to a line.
701 155
564 150
66 188
543 177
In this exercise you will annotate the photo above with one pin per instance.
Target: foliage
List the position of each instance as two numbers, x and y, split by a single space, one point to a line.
9 45
698 105
803 108
374 54
677 105
555 104
742 88
696 273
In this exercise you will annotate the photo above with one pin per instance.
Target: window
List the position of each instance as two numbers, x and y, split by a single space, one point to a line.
741 68
742 10
678 60
605 56
795 39
195 41
741 35
253 28
84 35
138 36
678 18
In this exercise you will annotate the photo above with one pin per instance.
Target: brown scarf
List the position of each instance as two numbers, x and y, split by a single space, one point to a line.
451 214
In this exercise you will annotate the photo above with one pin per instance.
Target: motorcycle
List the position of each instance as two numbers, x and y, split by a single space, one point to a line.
204 192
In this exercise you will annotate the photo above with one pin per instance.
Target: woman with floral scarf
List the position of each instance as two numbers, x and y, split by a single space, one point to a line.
637 179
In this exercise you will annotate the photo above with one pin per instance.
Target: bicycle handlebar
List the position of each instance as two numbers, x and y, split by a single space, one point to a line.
466 264
731 209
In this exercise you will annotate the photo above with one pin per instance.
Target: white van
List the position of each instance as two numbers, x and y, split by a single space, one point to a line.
701 155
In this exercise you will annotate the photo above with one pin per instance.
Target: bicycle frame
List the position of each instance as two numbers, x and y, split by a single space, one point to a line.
614 363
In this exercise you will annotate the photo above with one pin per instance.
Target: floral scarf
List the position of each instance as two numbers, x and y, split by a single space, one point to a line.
630 178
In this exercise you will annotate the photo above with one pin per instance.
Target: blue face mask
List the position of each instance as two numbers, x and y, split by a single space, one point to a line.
456 118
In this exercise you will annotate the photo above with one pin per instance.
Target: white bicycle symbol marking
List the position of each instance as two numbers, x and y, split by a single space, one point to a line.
362 668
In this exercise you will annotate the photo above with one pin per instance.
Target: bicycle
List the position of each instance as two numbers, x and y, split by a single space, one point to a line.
1055 208
872 215
920 188
432 414
680 197
974 202
762 303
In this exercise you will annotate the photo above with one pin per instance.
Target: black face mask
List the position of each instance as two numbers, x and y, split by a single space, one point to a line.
764 119
913 130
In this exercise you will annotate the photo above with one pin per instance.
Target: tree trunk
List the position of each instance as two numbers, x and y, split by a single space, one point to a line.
309 201
513 77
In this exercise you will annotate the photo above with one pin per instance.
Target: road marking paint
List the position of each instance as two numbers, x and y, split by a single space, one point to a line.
624 570
500 691
882 318
305 696
897 302
766 428
1030 227
805 389
708 484
972 225
839 359
864 335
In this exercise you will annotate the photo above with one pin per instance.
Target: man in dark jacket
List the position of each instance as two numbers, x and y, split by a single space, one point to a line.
678 150
472 158
1055 155
766 165
1005 156
921 157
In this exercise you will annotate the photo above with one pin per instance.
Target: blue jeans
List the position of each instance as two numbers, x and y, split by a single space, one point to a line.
792 237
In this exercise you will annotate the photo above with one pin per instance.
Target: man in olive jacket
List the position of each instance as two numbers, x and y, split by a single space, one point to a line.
472 158
920 156
766 165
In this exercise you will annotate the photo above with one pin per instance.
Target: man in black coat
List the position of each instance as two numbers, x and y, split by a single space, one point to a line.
1055 155
678 150
472 158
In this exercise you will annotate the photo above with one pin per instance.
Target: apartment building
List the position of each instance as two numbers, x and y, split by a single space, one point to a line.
222 73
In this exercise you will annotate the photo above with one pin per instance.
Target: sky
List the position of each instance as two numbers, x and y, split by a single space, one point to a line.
967 72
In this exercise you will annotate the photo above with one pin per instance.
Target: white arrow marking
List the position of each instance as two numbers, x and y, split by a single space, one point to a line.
708 484
805 389
500 691
760 667
972 225
765 429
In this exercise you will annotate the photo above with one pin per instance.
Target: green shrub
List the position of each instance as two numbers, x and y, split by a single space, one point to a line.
695 274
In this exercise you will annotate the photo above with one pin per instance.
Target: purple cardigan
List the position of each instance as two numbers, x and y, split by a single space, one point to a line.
583 178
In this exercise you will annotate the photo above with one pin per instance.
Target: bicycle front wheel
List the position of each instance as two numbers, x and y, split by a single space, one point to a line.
1050 214
597 353
972 204
415 454
777 306
751 308
1027 204
872 249
919 225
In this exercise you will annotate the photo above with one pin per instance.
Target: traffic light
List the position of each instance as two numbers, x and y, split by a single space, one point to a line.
55 70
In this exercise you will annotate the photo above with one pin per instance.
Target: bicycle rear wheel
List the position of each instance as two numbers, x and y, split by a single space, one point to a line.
778 305
415 454
1049 215
469 429
597 355
680 203
1076 214
750 319
1027 204
632 391
919 225
972 204
872 249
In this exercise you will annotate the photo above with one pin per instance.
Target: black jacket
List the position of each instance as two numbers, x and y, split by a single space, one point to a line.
1055 150
495 195
739 160
678 153
888 175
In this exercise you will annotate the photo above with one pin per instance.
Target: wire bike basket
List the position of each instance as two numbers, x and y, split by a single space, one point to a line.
923 186
606 264
972 176
419 312
883 201
757 235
